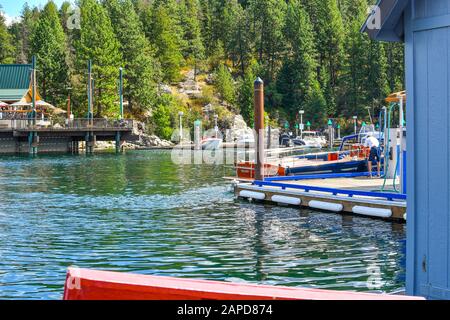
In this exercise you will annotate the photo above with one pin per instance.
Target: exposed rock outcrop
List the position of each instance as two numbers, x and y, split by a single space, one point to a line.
148 141
190 86
138 140
239 128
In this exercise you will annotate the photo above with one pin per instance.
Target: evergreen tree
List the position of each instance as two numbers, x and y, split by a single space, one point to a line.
354 74
225 84
161 119
395 54
245 99
6 47
297 77
214 24
206 24
316 105
268 21
377 85
48 44
140 65
21 32
364 80
236 35
162 30
327 21
97 42
190 20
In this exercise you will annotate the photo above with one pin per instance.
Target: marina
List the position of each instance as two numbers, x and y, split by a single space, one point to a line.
250 150
339 181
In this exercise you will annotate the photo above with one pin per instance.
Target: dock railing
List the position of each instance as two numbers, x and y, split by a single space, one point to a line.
348 193
75 124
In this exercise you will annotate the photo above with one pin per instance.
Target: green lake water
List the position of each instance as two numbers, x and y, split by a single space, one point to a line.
138 212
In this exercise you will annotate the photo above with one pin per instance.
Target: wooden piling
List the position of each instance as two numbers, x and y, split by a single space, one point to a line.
259 128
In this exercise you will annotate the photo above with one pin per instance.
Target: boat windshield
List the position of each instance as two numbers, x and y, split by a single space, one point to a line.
309 134
365 130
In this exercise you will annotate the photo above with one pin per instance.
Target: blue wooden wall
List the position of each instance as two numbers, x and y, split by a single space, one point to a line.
427 41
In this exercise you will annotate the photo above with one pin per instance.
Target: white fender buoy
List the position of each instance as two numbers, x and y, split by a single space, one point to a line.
404 216
372 212
252 195
287 200
335 207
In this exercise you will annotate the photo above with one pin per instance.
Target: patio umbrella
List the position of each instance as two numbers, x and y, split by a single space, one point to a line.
48 106
21 104
3 104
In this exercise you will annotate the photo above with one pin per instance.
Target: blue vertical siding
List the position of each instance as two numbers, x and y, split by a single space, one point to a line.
427 9
437 109
427 39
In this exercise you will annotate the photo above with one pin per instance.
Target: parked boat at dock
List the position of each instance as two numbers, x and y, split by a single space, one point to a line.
350 157
211 144
311 139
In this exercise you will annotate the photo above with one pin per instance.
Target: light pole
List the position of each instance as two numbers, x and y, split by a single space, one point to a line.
69 111
197 134
339 131
216 127
330 134
181 114
355 118
301 112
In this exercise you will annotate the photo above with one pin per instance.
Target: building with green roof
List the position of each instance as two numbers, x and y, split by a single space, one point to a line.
15 83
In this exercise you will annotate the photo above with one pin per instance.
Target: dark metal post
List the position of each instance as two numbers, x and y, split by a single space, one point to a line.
33 137
118 142
121 92
121 116
90 117
259 128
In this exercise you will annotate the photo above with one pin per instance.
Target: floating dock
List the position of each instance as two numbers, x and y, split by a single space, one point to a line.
352 193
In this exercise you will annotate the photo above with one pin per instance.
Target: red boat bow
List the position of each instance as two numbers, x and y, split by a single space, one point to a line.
82 284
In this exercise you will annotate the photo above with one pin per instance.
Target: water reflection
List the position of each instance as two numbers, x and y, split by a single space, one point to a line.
140 213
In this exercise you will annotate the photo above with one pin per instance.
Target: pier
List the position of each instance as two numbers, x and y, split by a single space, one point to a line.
25 136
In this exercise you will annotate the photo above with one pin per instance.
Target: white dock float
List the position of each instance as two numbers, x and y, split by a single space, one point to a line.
328 206
287 200
372 212
338 197
252 195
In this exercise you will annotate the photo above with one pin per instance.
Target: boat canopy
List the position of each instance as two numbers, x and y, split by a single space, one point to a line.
395 97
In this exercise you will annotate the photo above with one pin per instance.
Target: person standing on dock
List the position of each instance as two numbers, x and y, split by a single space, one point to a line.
374 155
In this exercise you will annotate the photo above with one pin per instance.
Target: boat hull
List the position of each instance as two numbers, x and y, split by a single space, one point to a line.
82 284
340 167
246 170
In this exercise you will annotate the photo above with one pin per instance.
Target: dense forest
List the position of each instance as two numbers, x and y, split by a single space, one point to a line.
310 53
